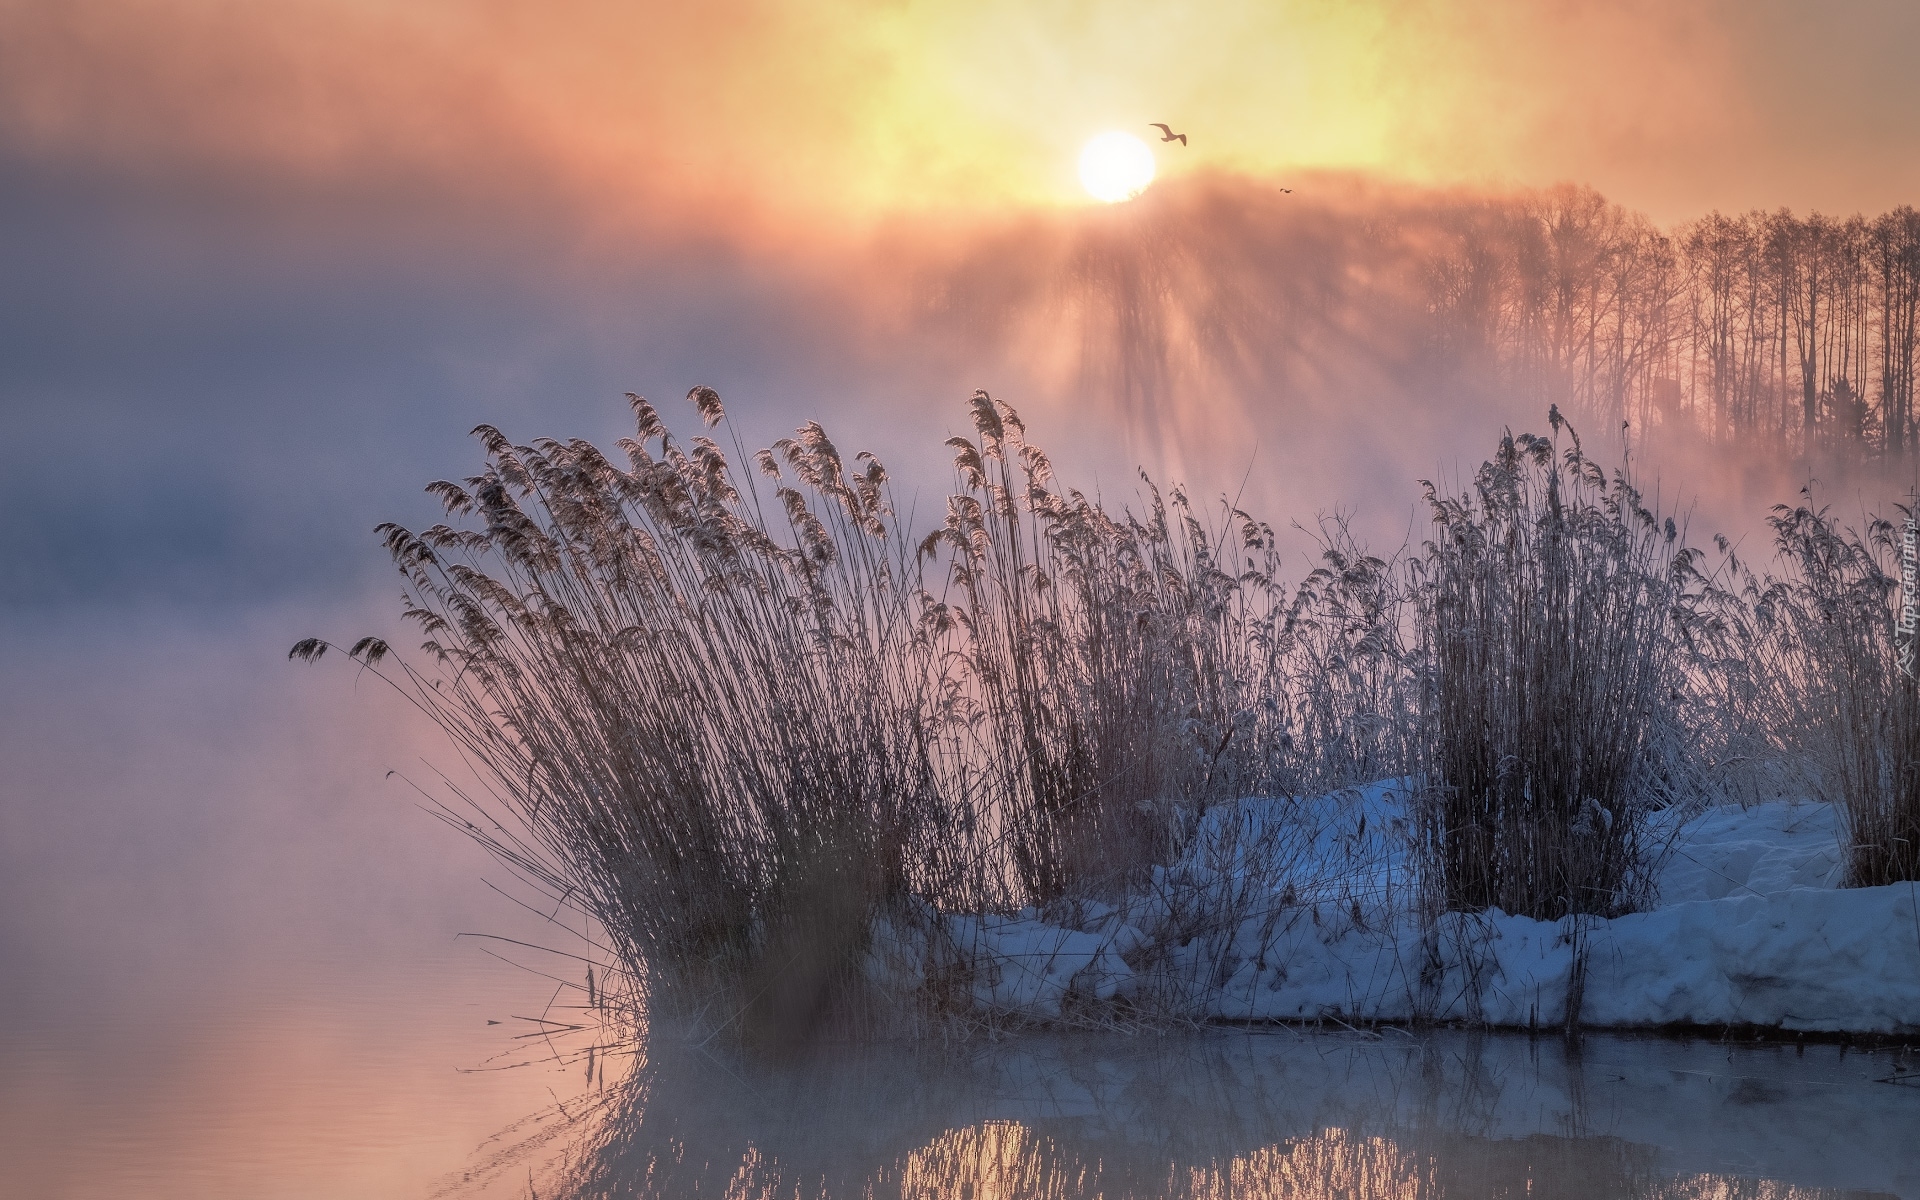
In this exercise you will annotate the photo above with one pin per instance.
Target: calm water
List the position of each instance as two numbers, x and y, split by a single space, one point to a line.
291 1094
1231 1113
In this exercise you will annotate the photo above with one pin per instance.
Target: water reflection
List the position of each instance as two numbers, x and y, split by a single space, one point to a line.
1268 1114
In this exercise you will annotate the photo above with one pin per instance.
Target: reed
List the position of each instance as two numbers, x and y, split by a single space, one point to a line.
1551 656
739 719
736 720
749 721
1124 672
1813 680
705 716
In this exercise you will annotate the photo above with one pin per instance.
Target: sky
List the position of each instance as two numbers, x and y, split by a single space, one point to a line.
262 267
748 118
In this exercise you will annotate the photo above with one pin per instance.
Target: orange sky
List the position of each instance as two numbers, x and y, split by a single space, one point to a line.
844 109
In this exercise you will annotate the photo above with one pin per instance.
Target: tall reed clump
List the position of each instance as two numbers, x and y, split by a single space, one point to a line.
709 717
1092 648
1818 679
1348 652
1072 681
737 731
1547 609
1124 672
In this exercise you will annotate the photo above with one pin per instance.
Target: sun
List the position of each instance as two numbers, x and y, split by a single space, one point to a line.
1116 166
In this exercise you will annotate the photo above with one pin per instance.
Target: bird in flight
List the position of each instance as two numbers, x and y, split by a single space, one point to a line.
1171 136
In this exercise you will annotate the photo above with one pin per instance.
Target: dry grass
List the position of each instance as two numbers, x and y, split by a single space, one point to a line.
1547 609
737 720
1809 681
706 719
741 721
1122 672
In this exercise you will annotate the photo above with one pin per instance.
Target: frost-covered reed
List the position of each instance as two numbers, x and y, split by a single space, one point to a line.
1549 596
753 726
1810 680
737 720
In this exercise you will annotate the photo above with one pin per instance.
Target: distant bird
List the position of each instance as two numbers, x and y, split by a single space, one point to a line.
1288 191
1171 136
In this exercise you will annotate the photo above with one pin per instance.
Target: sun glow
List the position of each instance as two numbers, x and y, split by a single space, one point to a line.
1116 166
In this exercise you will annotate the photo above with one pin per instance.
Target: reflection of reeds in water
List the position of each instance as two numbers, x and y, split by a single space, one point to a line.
1723 1187
1336 1163
1010 1160
1017 1160
1007 1160
992 1160
1066 1118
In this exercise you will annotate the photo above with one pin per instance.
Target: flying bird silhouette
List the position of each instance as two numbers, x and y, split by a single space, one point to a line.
1171 136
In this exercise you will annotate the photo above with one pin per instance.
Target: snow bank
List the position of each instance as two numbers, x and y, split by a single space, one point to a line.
1297 910
1804 959
1758 851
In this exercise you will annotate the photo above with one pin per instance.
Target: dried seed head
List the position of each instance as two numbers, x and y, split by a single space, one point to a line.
707 401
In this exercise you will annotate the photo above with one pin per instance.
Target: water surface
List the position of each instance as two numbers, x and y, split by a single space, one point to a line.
1240 1113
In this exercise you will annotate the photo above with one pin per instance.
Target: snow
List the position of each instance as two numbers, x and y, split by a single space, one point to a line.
1340 847
1028 967
1301 910
1758 851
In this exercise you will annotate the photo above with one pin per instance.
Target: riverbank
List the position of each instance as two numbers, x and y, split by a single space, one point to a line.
1750 930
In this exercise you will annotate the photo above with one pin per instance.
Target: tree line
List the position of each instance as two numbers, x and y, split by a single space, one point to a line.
1792 333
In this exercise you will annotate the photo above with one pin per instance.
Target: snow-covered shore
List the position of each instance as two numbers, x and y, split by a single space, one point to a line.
1750 929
